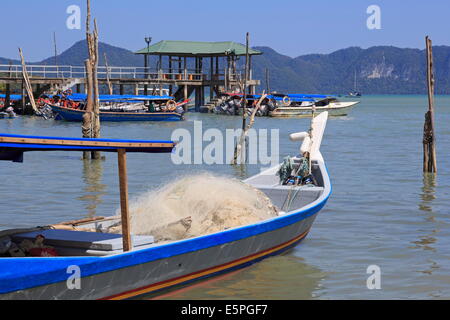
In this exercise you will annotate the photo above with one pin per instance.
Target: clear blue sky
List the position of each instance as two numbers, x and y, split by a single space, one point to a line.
291 27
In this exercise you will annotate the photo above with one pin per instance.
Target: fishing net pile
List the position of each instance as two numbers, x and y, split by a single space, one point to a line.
197 205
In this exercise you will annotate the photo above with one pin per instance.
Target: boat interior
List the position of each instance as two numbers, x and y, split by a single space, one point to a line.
94 238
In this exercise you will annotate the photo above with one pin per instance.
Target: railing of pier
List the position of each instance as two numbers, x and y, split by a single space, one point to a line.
66 71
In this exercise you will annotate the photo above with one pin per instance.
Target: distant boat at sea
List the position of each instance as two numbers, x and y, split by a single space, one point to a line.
355 92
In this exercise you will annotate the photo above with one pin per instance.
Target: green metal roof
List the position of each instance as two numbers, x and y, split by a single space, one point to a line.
196 48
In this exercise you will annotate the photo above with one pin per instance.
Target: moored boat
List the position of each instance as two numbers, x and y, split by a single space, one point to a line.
331 105
120 266
70 114
116 107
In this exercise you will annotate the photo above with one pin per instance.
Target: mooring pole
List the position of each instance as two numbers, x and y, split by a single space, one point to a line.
123 185
429 146
244 110
267 81
27 82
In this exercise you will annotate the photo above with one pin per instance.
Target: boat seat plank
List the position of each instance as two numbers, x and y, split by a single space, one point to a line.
82 239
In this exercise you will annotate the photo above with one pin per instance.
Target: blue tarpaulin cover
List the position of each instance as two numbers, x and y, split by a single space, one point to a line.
118 98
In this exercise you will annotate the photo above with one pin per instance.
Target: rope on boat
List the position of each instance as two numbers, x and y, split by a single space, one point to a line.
287 175
303 171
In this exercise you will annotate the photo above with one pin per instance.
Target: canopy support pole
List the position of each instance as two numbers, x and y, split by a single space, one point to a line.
123 185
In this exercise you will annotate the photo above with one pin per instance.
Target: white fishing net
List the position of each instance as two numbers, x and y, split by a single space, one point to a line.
196 205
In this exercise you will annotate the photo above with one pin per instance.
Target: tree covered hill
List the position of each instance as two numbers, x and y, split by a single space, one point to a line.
378 70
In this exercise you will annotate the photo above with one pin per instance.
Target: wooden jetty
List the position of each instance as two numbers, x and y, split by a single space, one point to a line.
173 70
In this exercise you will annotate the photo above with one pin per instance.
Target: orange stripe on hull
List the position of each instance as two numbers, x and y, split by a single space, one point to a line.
202 273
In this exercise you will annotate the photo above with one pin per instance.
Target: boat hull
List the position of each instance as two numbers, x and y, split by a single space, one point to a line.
159 267
334 109
77 115
161 274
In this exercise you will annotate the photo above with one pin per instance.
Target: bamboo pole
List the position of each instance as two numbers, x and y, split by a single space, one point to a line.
245 82
123 185
429 146
56 51
108 78
241 145
27 83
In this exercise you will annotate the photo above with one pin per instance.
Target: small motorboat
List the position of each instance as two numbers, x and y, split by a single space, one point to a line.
121 266
8 113
333 106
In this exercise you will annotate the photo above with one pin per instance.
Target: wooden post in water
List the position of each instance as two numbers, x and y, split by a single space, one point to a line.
86 127
240 145
91 119
7 95
123 185
108 80
8 89
27 83
429 146
94 62
267 81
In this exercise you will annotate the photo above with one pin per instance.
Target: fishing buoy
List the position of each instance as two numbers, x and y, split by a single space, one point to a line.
298 136
171 105
306 145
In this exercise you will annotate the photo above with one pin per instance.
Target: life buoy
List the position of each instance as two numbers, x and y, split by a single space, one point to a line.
286 100
171 105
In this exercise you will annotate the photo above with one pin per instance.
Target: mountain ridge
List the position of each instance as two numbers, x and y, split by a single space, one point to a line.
379 69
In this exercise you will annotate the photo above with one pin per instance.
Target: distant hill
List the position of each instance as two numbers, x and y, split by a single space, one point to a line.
77 53
379 70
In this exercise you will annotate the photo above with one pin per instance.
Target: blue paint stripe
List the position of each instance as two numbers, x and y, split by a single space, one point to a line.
83 139
46 147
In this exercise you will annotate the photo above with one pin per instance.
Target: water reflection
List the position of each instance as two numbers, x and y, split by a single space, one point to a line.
93 190
428 192
279 277
240 171
427 241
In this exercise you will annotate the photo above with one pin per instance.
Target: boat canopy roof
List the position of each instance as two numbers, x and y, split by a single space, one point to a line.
279 97
13 146
118 98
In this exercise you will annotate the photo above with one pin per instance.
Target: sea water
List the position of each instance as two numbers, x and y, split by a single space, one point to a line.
383 211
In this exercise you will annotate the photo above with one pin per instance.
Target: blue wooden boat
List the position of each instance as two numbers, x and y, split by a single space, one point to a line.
125 266
63 112
69 114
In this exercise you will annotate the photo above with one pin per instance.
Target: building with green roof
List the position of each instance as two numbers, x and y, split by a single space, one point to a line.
182 63
197 49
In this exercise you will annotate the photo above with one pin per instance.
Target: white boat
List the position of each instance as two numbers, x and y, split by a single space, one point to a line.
331 105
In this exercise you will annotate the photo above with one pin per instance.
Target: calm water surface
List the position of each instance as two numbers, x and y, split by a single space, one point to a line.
383 210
